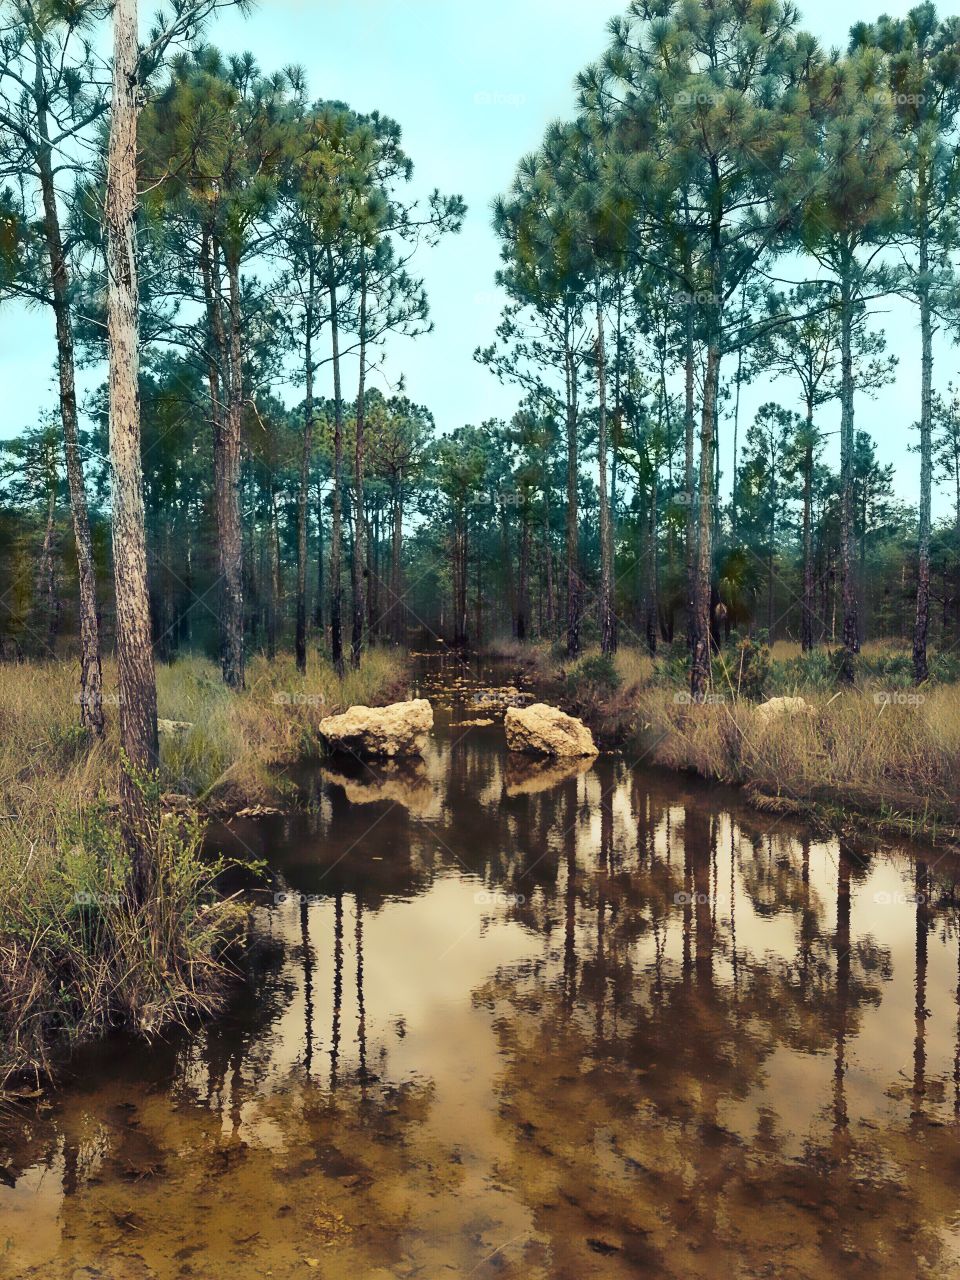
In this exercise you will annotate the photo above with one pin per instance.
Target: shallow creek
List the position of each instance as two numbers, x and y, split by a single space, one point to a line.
527 1021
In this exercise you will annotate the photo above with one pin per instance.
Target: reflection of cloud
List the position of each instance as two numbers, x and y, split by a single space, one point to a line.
526 776
404 784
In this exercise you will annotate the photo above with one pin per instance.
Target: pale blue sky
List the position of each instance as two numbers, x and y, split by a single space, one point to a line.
473 87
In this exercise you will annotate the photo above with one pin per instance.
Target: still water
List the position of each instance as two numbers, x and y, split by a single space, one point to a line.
509 1020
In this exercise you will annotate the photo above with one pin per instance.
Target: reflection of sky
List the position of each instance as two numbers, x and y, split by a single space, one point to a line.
473 86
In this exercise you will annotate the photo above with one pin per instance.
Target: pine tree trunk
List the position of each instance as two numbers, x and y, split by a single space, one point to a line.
922 621
46 583
336 529
229 525
359 560
806 617
690 541
318 608
652 592
91 676
548 560
851 635
138 690
276 586
396 568
523 583
606 546
304 491
700 667
573 528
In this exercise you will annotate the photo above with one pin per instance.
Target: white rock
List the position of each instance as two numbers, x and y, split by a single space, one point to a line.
547 731
398 730
773 708
172 728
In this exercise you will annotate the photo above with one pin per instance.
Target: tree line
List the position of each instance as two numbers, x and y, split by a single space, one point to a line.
729 204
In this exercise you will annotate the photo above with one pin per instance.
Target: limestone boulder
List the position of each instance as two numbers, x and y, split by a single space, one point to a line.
547 731
776 708
400 729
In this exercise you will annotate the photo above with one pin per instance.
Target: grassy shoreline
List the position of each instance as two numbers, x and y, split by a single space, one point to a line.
75 958
883 756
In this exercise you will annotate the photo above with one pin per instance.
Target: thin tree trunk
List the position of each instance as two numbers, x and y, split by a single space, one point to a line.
138 690
396 569
922 621
303 493
651 613
523 574
606 545
573 531
806 617
359 560
276 586
228 500
336 528
46 584
690 547
851 632
91 676
700 666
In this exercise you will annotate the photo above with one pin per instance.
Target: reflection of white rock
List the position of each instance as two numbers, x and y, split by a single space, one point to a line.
526 777
398 730
547 731
408 786
774 708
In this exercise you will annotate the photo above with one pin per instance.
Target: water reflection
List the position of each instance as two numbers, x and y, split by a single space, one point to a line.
539 1023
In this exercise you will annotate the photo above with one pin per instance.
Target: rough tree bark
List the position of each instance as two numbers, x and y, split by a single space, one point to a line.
138 690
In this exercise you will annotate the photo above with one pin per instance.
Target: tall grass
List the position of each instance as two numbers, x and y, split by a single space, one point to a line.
76 957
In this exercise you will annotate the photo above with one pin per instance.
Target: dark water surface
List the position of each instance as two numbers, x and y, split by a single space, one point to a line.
516 1021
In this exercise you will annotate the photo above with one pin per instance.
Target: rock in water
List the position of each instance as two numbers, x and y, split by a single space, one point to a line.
398 730
547 731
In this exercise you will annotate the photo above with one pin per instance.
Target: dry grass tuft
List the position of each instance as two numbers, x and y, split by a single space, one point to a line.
75 957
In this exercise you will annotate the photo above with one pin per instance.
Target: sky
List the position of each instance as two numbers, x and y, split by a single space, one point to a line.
473 87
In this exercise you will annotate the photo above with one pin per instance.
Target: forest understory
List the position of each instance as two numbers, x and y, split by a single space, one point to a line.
882 756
